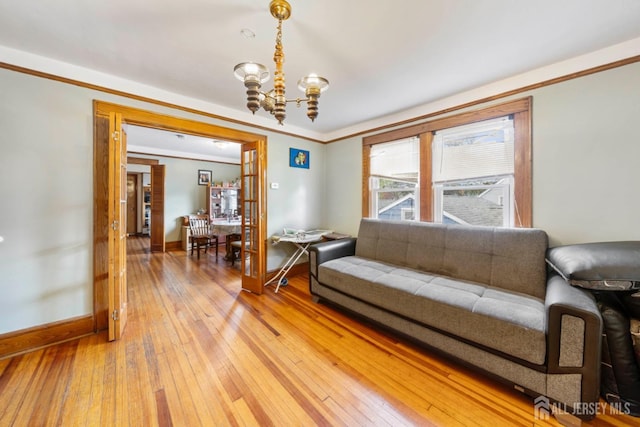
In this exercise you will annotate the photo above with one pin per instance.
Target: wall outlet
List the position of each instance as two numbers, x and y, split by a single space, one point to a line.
275 185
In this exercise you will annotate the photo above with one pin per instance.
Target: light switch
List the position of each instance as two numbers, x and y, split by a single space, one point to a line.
275 185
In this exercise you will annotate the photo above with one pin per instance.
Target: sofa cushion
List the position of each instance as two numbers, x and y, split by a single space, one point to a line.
511 259
506 321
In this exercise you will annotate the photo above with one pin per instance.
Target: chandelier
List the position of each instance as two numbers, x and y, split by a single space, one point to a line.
274 101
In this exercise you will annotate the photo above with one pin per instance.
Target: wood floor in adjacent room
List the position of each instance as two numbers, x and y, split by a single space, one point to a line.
199 351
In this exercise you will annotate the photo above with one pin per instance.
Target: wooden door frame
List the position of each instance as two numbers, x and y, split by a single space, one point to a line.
139 117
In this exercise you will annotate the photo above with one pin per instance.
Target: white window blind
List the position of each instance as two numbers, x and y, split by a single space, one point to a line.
397 159
474 151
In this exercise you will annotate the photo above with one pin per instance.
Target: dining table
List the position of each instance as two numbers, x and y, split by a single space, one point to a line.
227 227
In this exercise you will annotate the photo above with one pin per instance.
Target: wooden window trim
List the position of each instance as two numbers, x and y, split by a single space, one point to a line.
521 111
366 173
426 179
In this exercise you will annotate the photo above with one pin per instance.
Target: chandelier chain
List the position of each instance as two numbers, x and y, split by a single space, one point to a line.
279 33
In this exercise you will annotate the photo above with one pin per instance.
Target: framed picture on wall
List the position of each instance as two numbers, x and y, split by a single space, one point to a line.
204 177
298 158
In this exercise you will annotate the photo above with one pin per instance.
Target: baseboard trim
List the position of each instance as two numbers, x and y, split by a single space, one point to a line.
296 270
173 246
24 340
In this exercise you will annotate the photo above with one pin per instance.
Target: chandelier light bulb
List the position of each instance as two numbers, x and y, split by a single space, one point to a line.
251 70
313 81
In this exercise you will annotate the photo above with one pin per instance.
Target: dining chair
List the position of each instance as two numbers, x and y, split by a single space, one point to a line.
235 245
201 235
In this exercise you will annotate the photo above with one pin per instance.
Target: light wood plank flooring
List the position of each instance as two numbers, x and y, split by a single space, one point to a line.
199 351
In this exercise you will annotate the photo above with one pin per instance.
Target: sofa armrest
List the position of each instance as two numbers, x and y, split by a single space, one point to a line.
574 334
325 251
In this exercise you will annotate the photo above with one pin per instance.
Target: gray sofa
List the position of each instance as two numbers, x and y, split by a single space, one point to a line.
479 295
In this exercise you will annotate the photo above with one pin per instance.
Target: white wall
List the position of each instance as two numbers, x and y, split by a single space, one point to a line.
297 203
586 148
46 195
344 185
586 151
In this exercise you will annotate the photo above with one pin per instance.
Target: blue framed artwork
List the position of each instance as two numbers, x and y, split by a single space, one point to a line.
298 158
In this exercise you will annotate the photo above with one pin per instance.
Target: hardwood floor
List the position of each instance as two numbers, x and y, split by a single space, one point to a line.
199 351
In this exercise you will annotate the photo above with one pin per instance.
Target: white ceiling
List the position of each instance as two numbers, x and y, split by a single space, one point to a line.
386 60
145 140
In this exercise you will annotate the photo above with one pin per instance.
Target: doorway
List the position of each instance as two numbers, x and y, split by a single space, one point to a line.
132 203
254 275
138 198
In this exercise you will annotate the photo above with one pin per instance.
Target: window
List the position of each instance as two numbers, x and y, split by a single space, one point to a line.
472 173
394 179
471 168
